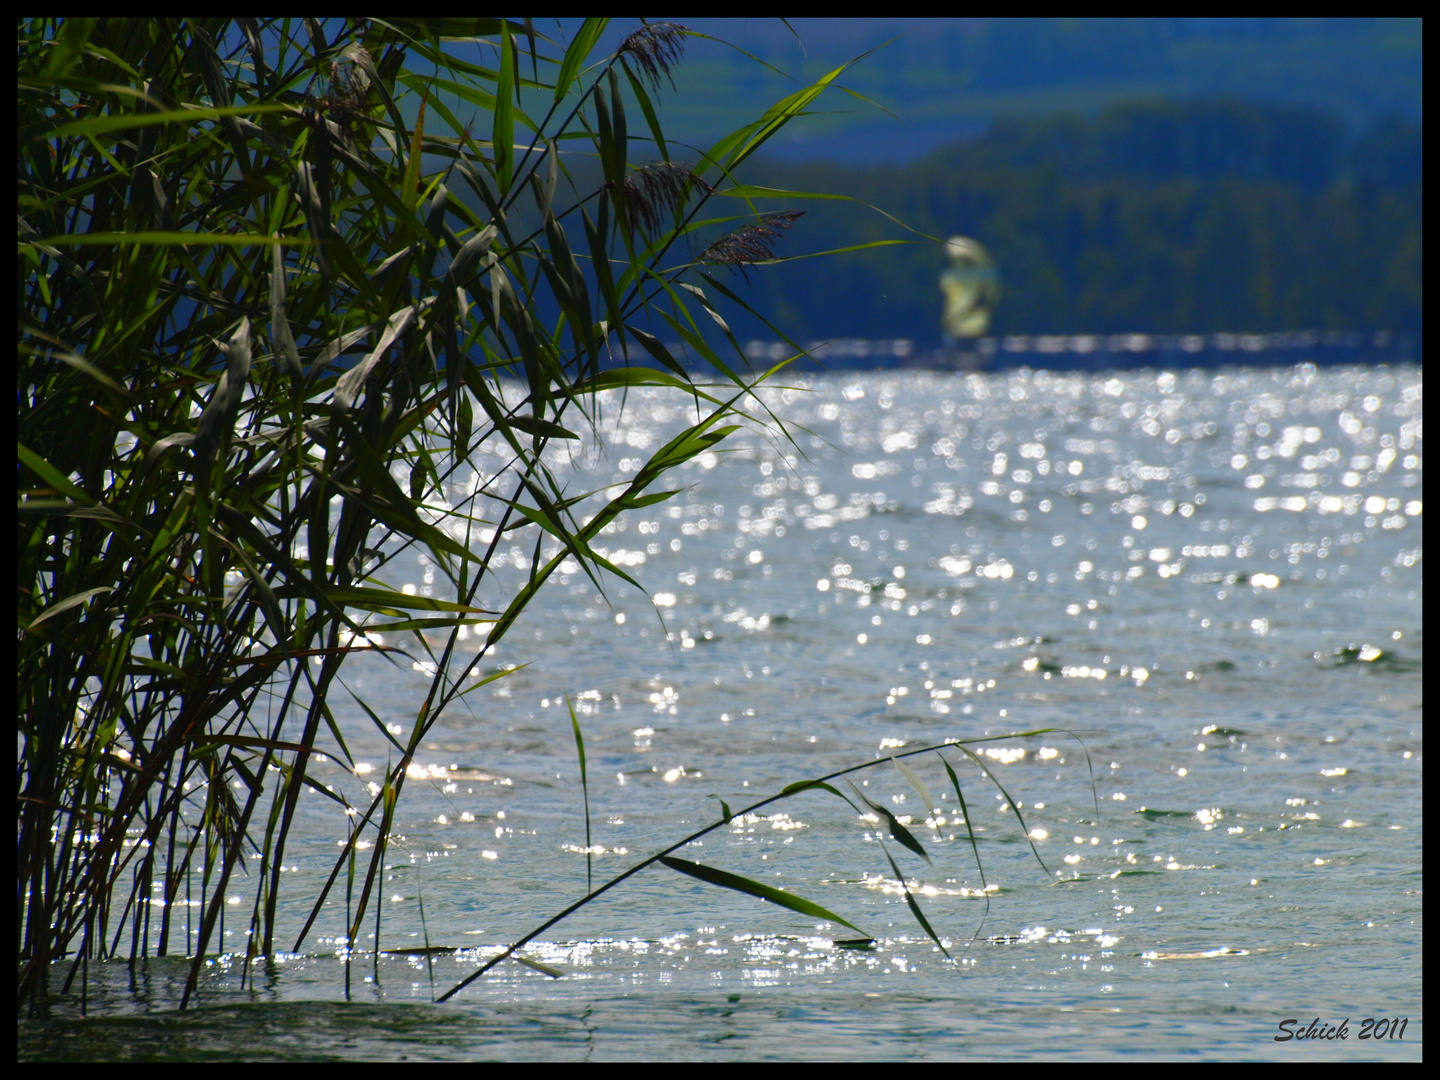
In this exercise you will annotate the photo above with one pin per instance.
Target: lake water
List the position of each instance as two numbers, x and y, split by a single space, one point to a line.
1214 579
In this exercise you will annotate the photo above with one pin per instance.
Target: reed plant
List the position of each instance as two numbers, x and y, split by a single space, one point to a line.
273 292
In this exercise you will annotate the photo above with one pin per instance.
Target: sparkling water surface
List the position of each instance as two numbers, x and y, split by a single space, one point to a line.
1211 580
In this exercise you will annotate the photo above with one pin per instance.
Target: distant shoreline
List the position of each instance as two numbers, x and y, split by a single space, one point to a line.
1086 352
1112 352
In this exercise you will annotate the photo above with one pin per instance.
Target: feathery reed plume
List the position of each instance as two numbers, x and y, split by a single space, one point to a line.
342 96
655 48
750 244
661 186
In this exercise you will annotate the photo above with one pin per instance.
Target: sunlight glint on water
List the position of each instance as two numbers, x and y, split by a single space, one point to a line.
1213 578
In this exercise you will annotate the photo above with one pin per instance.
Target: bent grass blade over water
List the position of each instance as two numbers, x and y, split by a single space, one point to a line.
727 880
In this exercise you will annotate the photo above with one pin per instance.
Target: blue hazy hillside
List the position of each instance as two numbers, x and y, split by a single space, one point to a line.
950 79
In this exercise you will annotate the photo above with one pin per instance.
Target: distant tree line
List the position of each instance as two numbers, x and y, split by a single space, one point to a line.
1152 217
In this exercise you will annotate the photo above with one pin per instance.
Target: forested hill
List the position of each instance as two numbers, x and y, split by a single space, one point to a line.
1150 217
949 77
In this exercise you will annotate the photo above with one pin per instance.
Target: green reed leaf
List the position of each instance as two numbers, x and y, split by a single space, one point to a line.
544 969
897 830
62 606
585 39
502 138
162 238
585 790
725 880
913 904
928 803
1018 815
410 186
969 827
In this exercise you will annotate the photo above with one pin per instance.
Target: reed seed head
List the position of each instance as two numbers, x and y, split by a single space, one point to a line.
750 244
655 48
658 190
